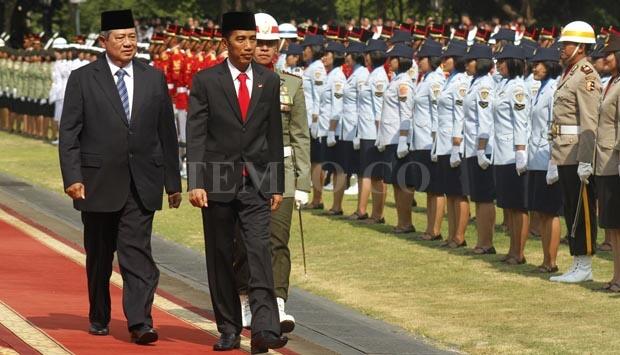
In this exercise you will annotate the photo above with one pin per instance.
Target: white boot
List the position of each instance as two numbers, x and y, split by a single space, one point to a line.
570 270
287 321
246 312
581 272
352 190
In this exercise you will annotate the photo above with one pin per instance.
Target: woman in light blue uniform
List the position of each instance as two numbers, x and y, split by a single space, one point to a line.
330 122
393 133
544 194
426 177
510 118
478 139
448 151
313 83
350 116
370 105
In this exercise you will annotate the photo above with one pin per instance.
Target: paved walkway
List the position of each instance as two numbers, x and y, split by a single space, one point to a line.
322 326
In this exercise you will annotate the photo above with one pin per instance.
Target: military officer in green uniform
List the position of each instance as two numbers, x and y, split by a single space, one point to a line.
297 169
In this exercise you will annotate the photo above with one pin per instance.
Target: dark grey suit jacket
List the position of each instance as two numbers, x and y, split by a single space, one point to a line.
219 143
101 149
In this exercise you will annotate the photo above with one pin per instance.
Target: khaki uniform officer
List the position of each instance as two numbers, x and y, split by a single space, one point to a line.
575 117
296 140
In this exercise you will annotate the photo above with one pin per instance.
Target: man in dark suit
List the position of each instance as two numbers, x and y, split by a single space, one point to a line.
118 150
236 175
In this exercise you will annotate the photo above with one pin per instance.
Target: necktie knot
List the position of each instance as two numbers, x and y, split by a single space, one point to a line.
242 78
121 73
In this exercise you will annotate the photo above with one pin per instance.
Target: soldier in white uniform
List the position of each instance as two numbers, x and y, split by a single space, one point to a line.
478 143
424 121
448 145
330 123
544 195
511 114
393 133
350 116
370 105
314 78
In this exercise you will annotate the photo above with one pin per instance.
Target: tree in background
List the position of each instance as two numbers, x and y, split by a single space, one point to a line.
21 16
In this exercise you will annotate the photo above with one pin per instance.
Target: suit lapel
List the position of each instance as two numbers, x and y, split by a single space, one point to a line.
229 89
257 88
104 79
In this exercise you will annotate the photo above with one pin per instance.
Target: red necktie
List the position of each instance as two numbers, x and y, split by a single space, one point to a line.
244 95
244 102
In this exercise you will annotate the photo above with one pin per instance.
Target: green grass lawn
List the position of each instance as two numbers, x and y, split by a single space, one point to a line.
470 303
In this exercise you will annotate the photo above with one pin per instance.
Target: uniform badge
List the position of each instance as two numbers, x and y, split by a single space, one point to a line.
483 104
403 91
318 78
590 85
436 89
586 69
484 94
379 88
338 90
459 102
462 91
519 98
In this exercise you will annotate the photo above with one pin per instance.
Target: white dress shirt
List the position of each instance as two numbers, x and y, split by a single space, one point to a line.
128 79
234 72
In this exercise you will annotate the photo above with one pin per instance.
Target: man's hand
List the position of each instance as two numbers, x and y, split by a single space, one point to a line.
174 200
76 191
198 198
276 201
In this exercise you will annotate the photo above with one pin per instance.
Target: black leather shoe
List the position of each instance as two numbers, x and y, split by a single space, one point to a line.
144 335
227 342
263 341
96 329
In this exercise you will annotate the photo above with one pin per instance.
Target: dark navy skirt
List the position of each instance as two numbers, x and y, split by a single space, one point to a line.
511 188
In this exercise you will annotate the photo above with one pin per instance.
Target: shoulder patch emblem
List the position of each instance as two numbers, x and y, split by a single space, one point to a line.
403 91
520 96
586 69
590 85
318 77
338 90
484 94
436 89
462 91
483 104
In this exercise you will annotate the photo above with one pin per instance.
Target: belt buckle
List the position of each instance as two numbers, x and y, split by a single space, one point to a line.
554 131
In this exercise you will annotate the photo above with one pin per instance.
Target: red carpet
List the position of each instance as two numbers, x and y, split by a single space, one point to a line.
49 290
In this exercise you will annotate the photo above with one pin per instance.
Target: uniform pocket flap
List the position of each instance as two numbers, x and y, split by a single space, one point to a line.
607 143
567 139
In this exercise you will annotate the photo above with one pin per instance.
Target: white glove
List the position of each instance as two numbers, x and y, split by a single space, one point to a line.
552 173
314 130
403 148
22 98
14 92
521 161
584 170
455 157
43 101
483 161
301 198
356 143
331 139
380 147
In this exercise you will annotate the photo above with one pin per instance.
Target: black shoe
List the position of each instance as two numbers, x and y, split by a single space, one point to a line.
227 342
144 335
263 341
96 329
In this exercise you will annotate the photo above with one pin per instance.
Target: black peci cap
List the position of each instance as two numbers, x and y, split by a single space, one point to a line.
479 51
430 48
240 21
116 20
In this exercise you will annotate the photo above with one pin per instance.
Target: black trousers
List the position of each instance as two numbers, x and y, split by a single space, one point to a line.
584 240
280 231
251 212
128 232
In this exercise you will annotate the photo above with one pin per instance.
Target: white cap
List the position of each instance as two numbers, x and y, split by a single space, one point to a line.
287 30
578 32
59 43
266 27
